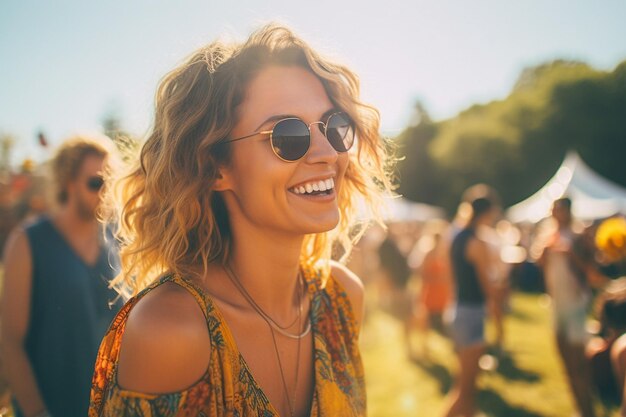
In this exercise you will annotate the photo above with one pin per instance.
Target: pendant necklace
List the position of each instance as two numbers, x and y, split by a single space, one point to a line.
291 402
280 329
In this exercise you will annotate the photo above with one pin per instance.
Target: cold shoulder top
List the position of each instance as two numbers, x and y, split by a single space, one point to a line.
228 388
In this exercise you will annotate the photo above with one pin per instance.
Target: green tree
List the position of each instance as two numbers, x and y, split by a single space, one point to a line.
418 173
517 143
6 146
589 115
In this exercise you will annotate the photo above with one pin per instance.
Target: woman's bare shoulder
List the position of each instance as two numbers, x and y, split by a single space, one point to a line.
353 286
166 345
348 279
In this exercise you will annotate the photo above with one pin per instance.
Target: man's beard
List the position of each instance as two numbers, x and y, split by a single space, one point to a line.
84 211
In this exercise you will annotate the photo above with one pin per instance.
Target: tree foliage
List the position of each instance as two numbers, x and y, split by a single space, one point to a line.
516 144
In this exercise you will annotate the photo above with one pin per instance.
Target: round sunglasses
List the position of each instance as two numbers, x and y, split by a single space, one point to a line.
95 183
291 137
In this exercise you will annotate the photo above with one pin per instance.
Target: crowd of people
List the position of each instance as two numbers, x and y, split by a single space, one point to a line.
203 279
455 276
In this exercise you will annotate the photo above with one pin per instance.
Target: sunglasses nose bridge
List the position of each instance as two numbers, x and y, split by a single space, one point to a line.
322 127
320 149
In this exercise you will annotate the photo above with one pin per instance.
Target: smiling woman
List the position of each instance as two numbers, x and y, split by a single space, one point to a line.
236 305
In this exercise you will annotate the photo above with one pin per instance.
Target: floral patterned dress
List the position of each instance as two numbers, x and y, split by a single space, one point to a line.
228 388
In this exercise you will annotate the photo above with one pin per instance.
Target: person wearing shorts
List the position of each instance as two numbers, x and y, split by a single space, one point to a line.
468 325
470 267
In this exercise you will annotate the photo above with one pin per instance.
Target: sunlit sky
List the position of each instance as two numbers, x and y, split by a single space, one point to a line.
65 64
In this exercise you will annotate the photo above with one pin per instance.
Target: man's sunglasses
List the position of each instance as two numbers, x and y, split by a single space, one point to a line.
291 137
95 183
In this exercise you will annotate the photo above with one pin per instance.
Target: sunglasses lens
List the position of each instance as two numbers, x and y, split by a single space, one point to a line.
291 139
340 132
95 183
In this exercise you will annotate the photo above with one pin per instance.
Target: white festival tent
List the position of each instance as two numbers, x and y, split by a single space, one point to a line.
593 196
399 208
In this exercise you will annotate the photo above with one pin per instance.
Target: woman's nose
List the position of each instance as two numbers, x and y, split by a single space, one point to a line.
320 149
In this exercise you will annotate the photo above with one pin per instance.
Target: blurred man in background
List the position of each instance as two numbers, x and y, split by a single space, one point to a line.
56 297
566 269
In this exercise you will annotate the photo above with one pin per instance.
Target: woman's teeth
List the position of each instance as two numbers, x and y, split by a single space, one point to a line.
315 187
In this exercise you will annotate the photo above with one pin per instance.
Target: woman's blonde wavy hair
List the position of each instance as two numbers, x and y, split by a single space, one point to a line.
170 218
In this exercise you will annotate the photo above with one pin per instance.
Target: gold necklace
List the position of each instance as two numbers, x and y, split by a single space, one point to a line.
233 277
235 280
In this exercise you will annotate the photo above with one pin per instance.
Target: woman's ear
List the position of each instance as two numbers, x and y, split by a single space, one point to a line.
223 180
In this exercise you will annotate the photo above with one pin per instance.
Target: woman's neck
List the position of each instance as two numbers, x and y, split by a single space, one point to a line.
267 265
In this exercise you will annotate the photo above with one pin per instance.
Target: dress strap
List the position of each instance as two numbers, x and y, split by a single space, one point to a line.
312 279
204 301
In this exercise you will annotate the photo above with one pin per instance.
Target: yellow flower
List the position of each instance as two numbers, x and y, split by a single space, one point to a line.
611 238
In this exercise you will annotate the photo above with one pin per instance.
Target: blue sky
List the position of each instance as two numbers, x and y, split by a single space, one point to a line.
65 64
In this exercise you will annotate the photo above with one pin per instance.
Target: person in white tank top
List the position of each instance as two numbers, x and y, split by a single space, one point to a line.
565 278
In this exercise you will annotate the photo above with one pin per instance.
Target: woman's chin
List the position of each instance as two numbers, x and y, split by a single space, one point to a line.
325 225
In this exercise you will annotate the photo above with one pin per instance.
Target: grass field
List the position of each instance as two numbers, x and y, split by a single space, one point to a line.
529 381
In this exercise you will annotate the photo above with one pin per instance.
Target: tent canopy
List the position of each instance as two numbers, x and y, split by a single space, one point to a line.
401 209
593 196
